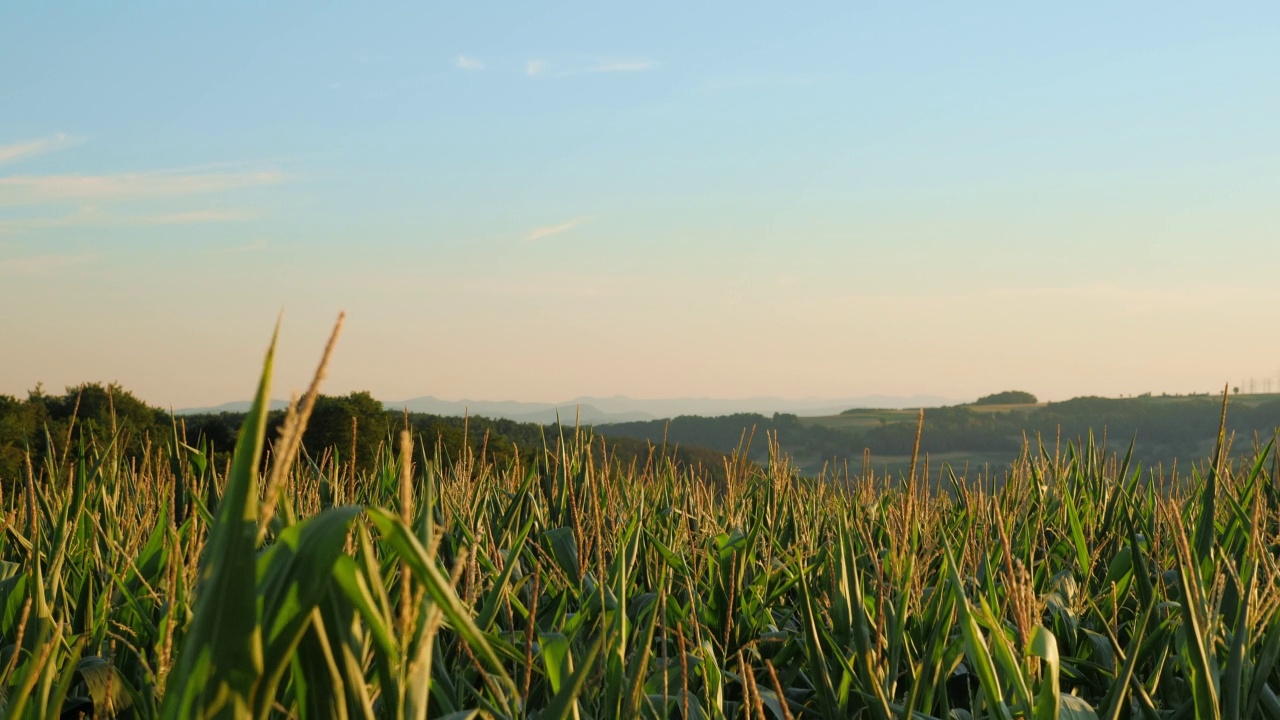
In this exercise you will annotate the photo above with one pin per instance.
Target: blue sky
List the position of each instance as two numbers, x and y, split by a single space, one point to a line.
544 201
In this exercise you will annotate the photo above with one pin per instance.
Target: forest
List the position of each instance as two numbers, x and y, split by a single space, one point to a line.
347 431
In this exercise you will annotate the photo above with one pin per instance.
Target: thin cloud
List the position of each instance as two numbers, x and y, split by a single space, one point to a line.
90 216
37 190
195 216
17 151
536 68
546 232
43 264
466 62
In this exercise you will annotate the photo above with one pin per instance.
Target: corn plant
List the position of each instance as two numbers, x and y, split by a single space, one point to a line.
1074 585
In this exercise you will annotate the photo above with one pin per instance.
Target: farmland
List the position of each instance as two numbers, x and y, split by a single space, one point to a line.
572 586
708 361
976 438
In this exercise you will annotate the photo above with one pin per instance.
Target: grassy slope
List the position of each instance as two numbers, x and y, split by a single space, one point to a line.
1169 428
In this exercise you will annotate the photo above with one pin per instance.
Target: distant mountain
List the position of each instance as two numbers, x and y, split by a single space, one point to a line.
764 405
541 413
620 408
231 407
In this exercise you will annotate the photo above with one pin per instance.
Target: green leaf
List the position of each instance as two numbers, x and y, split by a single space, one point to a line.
1044 645
1074 708
294 575
220 659
101 678
401 539
975 647
562 705
565 551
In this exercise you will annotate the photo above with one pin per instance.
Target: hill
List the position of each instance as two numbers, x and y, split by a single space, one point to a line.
348 432
1166 429
620 408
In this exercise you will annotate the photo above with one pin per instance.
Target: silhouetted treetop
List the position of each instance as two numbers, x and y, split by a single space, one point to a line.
1008 397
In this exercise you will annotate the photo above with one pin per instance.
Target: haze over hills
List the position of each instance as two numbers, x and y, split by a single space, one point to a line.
620 408
1164 429
237 406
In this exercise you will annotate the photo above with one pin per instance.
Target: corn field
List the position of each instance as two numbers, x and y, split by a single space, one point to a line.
1078 586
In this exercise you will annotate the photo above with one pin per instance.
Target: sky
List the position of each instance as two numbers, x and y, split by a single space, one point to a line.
540 201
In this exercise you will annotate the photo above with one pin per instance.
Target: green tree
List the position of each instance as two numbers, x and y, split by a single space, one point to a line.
331 422
19 423
1008 397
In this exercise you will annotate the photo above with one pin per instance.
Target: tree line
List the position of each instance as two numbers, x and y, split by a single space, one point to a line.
348 432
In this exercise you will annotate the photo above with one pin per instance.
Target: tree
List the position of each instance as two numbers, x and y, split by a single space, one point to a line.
88 410
330 426
1008 397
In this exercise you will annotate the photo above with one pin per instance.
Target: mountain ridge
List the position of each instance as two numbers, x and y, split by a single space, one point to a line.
621 408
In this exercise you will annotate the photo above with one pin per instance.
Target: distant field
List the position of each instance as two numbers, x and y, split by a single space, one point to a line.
859 419
981 438
871 417
1021 408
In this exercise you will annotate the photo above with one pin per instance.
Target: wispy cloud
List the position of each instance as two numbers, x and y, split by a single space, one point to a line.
43 264
546 232
37 190
91 216
17 151
194 216
536 68
467 62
